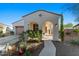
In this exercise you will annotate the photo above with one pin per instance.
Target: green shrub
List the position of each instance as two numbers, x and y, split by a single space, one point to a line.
22 45
74 42
76 30
62 36
27 53
22 36
61 29
34 34
11 33
1 34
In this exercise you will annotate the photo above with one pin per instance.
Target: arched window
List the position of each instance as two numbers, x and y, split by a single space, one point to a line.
34 26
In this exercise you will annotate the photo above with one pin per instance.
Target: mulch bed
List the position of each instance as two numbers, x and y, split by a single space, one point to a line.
34 50
38 49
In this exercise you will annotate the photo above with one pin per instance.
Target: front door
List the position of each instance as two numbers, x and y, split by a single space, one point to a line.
48 31
45 29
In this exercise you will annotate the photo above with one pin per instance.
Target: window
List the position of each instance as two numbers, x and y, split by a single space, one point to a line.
35 26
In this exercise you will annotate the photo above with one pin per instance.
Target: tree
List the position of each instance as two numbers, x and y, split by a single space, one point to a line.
69 25
61 29
1 34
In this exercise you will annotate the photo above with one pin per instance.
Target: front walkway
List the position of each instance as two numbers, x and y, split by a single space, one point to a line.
49 49
46 37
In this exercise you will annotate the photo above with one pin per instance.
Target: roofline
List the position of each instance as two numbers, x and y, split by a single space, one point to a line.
76 25
17 21
36 11
3 24
41 10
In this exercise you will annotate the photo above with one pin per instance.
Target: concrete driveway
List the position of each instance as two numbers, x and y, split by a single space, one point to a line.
9 39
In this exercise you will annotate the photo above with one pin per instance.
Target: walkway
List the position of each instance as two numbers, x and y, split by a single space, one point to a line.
49 49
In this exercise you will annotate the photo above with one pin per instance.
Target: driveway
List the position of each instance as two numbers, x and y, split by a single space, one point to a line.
9 39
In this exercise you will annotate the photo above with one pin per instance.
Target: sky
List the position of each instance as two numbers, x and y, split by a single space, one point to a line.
11 12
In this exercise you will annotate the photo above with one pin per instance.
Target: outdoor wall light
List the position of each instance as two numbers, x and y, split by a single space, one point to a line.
56 25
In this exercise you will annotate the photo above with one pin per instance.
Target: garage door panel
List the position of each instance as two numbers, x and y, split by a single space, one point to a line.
19 29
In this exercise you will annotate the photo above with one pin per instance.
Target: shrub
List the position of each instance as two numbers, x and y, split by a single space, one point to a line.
11 33
76 30
74 42
27 53
62 29
22 36
34 34
22 45
1 34
33 41
62 36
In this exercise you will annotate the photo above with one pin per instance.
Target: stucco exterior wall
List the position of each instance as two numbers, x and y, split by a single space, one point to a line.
41 20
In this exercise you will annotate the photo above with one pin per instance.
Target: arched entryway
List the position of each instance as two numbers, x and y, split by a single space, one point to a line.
47 30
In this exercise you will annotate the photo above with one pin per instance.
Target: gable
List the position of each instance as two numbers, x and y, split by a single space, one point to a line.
18 23
42 11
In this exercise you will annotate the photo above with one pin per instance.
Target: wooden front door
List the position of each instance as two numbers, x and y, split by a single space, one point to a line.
45 29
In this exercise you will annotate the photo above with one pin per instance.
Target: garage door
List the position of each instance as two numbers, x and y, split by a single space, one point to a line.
19 29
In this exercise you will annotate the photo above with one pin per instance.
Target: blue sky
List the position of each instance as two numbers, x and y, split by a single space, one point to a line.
10 13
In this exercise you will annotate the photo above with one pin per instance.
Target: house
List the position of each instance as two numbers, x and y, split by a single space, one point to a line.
76 26
5 28
47 21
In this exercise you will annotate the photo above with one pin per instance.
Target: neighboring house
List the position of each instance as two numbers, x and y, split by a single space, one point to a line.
47 21
4 28
76 26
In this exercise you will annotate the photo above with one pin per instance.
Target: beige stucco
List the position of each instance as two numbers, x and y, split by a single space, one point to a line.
40 20
54 19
